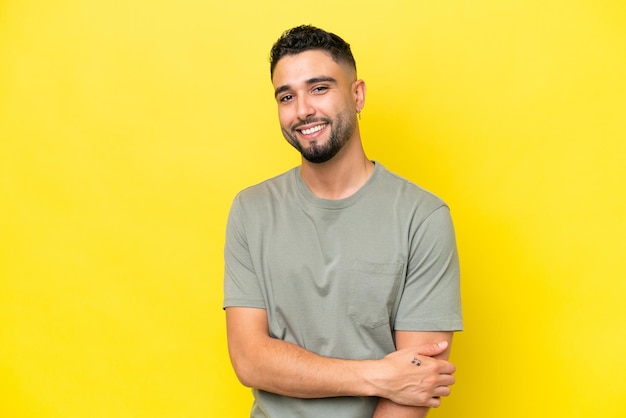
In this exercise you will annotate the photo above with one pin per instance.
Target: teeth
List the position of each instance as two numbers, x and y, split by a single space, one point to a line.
313 129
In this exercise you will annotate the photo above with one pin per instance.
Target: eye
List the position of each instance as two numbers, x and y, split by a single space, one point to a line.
285 98
319 89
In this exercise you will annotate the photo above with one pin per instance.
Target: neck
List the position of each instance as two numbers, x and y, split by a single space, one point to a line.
342 175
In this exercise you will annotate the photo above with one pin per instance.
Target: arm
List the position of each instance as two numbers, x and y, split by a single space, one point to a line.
431 299
278 366
389 409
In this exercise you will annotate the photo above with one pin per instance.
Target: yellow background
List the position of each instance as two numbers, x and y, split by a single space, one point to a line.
126 128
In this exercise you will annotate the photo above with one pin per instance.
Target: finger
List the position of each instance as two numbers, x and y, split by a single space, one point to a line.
433 403
442 391
445 367
445 380
432 349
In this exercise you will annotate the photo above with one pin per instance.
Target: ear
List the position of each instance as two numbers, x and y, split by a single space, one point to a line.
358 93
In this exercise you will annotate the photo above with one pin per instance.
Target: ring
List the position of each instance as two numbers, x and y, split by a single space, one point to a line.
416 361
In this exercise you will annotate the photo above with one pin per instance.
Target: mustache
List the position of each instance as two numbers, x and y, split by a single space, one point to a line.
308 121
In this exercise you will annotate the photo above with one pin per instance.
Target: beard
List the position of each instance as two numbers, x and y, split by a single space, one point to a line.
341 129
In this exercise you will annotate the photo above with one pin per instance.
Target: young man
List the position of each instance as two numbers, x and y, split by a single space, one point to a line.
341 278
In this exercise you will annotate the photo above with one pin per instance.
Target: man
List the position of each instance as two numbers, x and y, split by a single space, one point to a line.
341 278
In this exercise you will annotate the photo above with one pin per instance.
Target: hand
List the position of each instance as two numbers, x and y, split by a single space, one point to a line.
411 376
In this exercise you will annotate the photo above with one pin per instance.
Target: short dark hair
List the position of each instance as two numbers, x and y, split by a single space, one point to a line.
306 37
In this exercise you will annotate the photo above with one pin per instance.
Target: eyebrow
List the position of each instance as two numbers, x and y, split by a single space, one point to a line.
310 81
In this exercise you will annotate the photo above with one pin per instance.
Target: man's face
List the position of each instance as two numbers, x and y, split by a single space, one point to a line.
316 103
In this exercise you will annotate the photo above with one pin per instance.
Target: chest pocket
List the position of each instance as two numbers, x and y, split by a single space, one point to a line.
373 291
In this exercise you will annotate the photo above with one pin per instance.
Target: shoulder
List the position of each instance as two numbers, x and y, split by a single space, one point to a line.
270 188
407 192
267 198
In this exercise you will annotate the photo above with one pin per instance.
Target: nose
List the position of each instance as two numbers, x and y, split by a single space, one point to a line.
304 107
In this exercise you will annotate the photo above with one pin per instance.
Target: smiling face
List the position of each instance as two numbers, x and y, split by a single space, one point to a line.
317 103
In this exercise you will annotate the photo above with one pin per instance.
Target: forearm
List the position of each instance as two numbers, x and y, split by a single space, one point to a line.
389 409
286 369
280 367
283 368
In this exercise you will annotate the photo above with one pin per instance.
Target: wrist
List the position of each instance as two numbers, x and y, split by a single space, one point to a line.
370 377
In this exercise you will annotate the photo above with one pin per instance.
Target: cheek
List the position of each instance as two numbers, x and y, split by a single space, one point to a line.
284 117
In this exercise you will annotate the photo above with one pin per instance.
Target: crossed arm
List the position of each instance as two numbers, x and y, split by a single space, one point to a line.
278 366
406 339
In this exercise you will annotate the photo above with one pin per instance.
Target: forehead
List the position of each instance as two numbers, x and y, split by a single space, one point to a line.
292 69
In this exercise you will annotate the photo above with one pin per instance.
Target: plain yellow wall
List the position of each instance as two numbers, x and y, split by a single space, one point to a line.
126 128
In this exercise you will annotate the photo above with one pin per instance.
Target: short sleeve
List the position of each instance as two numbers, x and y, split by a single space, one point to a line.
431 298
241 285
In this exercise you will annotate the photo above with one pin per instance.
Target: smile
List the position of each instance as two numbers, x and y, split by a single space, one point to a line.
312 130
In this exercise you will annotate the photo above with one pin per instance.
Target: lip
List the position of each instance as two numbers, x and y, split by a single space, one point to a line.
312 130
